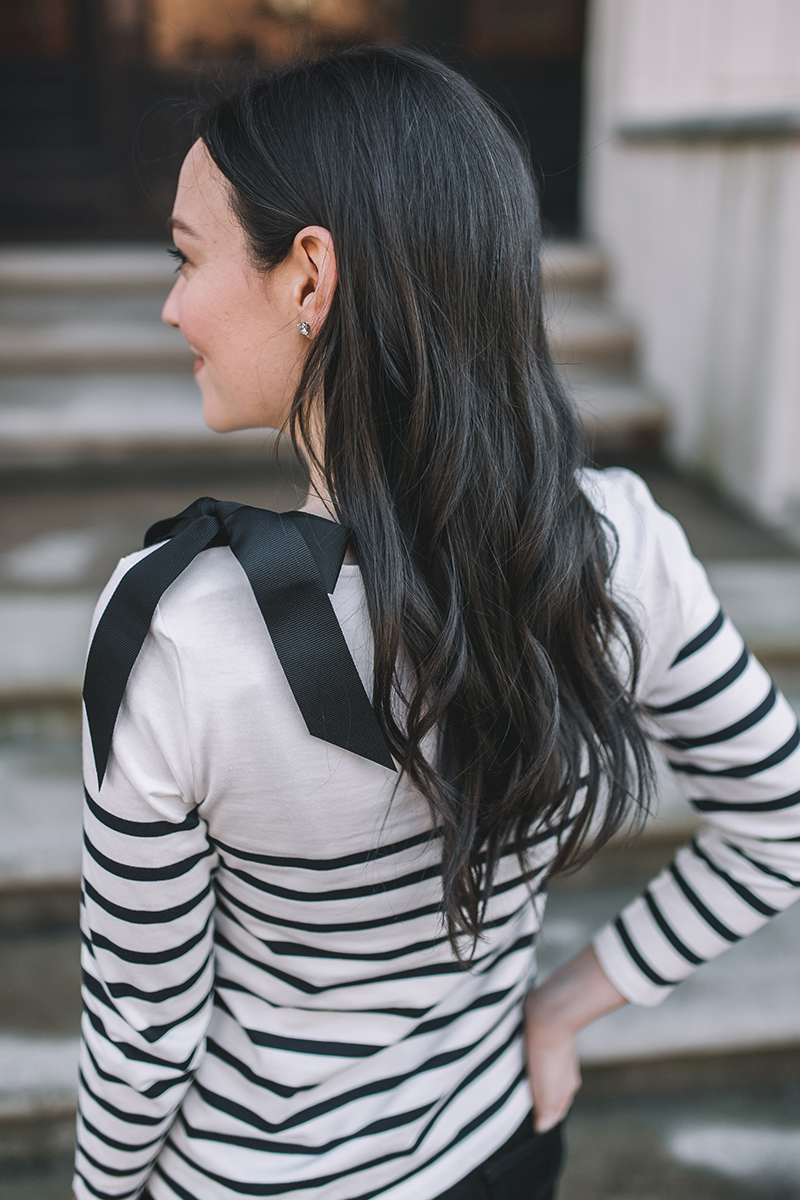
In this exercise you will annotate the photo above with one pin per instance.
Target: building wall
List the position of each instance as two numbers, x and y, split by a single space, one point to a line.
692 184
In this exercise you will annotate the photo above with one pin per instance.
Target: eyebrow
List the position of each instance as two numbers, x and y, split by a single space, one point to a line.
176 223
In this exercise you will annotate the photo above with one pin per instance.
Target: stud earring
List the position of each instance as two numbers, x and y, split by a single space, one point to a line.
304 328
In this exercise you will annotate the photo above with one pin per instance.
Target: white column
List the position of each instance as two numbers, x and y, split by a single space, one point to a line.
704 233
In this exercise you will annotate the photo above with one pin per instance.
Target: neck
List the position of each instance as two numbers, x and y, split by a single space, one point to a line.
319 504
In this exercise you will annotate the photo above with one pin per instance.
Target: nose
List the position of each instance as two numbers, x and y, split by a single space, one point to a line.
170 313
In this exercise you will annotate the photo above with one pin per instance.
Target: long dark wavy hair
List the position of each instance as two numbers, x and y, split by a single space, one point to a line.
450 451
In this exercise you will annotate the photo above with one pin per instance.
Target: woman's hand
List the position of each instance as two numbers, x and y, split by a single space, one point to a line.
577 994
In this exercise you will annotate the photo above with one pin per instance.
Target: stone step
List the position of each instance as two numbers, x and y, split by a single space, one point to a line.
763 599
38 1076
43 640
42 270
109 269
74 345
105 418
574 267
40 808
75 420
616 413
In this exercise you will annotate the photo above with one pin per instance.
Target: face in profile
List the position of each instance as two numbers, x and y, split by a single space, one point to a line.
240 321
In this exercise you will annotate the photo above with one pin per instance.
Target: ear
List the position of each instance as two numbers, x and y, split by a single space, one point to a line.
314 255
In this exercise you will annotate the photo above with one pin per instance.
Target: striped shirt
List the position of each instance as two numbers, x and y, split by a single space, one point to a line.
272 1007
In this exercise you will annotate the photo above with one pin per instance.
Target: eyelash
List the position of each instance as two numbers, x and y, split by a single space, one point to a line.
178 255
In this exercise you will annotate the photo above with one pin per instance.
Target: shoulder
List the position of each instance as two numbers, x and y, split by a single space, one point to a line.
646 541
212 579
655 575
625 500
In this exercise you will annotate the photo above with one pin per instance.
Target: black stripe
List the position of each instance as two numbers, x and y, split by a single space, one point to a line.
296 950
349 893
744 893
702 639
93 987
643 966
110 1195
301 950
330 864
173 870
140 828
366 856
117 1172
154 1092
731 731
134 1053
119 1113
488 1000
120 990
154 1033
314 927
782 802
669 932
260 1037
764 868
706 693
124 1146
463 1133
747 770
794 883
698 905
98 942
215 1049
336 1103
136 917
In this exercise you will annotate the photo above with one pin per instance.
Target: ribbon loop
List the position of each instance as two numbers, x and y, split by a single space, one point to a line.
292 561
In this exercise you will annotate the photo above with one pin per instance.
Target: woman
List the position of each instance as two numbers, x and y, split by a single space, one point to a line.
310 919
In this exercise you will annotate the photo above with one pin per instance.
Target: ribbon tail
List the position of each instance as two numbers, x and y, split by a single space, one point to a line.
123 627
308 640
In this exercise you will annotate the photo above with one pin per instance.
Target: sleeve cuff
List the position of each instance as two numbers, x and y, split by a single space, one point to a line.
623 972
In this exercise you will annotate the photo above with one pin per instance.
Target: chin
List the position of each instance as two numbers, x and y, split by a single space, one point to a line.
227 414
216 414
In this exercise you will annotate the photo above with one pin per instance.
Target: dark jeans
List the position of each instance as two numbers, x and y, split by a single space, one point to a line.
524 1168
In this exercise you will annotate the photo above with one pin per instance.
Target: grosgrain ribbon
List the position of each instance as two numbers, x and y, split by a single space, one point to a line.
292 561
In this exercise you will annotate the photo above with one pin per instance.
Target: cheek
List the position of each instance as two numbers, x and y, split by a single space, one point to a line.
215 324
197 319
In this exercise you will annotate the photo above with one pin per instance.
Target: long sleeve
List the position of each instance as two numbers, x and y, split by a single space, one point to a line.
735 743
147 916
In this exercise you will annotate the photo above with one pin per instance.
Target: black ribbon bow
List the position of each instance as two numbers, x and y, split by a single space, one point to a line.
292 561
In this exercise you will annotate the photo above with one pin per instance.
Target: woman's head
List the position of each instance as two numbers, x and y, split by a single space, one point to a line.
447 444
419 190
242 324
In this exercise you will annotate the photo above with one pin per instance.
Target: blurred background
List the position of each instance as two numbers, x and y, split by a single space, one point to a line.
665 136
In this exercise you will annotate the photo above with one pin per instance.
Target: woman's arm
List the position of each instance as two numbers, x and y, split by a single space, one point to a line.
735 742
575 995
147 925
